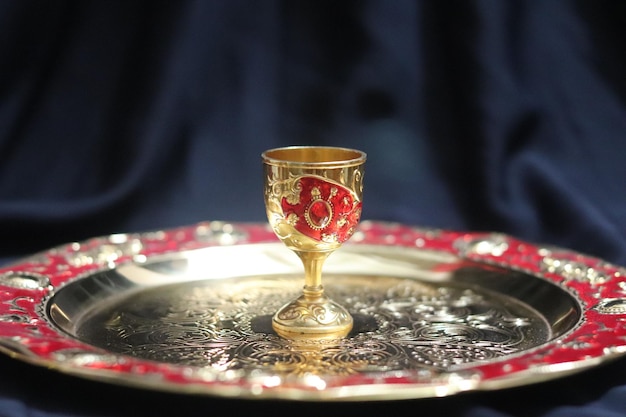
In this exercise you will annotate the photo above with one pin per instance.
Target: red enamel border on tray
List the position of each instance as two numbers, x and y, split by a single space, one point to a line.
28 335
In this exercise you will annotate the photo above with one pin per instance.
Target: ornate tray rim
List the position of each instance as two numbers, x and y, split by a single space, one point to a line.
26 334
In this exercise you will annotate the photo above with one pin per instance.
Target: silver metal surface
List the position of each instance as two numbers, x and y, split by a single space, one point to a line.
213 308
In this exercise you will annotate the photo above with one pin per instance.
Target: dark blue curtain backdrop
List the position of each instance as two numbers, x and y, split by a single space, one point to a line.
481 115
123 116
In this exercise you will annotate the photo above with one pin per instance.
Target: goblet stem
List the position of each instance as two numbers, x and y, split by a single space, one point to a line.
312 315
313 262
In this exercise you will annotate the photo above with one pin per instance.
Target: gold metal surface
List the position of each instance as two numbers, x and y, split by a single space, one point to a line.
313 202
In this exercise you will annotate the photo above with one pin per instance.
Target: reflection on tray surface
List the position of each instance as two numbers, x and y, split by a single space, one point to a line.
472 314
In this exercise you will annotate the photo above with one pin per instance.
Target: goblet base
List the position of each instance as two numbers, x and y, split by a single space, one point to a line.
320 318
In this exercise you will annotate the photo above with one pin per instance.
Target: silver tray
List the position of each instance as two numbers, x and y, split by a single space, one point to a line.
436 313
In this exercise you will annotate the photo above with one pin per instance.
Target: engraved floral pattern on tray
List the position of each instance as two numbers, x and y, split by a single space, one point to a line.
409 326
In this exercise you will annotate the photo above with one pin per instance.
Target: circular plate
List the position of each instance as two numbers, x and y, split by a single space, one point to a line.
436 313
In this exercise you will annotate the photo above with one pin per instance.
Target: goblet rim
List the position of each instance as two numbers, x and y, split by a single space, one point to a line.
357 157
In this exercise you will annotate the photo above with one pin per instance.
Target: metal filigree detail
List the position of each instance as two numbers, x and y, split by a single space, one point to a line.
104 251
220 233
612 306
24 280
493 245
14 318
572 270
288 189
322 314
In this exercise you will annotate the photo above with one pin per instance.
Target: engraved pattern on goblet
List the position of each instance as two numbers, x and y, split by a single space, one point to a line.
313 203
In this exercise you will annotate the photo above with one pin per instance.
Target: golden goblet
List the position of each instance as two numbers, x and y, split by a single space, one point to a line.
313 202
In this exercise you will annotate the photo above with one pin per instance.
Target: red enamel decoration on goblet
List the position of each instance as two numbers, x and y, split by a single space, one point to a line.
325 211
